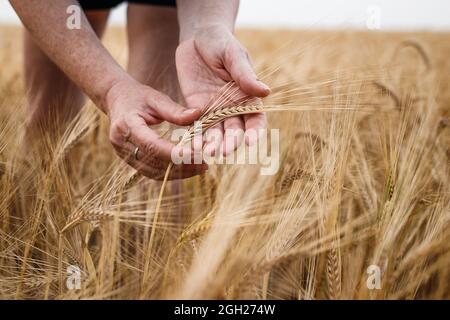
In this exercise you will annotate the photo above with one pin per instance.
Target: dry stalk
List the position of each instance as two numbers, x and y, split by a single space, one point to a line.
132 180
86 215
385 90
73 142
334 274
420 50
294 176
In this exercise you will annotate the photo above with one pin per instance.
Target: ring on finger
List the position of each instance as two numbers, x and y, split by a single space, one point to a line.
136 151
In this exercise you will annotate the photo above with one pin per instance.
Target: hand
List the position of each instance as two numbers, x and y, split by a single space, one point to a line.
132 108
205 63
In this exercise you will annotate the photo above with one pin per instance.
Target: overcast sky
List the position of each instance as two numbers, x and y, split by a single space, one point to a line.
431 15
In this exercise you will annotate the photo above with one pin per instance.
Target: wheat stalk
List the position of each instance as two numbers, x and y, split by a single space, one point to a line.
86 215
72 142
74 135
334 274
131 180
385 90
419 48
294 176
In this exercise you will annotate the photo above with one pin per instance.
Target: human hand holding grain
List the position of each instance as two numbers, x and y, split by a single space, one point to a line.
208 57
132 108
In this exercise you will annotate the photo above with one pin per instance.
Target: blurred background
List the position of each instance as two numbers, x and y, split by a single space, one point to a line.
406 15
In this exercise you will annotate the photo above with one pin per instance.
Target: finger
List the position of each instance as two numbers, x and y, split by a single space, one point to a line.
254 123
186 171
158 172
214 138
142 167
177 172
166 109
239 66
149 143
234 134
124 139
129 150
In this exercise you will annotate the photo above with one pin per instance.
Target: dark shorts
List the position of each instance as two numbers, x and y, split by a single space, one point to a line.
108 4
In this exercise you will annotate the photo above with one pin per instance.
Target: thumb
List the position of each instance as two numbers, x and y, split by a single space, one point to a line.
168 110
238 64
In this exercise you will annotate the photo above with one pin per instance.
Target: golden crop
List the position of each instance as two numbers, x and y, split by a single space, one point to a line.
364 182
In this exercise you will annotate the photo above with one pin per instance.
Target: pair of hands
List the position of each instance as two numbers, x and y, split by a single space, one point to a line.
205 63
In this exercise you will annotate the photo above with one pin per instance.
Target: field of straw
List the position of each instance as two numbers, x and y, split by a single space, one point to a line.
363 186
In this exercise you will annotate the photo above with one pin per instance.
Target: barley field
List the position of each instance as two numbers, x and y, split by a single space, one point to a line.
359 208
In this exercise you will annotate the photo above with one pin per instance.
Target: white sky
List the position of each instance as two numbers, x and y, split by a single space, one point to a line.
431 15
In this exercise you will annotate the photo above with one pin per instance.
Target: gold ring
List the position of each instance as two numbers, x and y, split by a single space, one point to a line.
136 153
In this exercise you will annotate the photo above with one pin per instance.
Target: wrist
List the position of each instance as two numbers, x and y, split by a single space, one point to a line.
205 28
195 15
116 88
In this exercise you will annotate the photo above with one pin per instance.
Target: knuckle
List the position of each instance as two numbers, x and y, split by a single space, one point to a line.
150 149
165 101
117 129
152 99
157 98
118 125
114 139
154 162
162 97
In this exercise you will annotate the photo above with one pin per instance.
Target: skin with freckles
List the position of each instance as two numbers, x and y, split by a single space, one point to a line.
205 57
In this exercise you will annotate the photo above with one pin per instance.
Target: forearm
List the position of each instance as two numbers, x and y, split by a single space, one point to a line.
78 52
198 14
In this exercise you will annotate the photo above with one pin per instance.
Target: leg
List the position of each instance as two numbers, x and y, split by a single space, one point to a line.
153 35
51 95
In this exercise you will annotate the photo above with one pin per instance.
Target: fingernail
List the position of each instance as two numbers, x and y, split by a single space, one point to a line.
251 140
189 111
210 149
265 87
